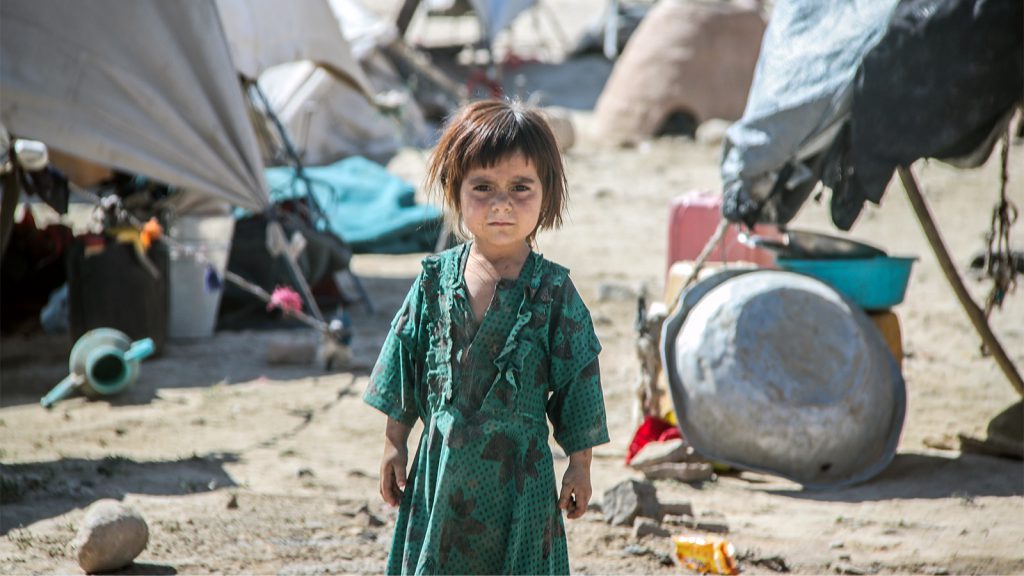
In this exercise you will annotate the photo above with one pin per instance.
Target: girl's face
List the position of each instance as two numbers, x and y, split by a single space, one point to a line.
501 204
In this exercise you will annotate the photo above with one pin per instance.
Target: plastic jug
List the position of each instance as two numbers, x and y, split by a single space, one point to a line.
104 361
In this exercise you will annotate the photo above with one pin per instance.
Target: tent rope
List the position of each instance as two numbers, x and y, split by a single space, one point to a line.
999 260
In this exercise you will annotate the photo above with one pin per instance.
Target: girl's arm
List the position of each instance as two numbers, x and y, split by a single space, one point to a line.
395 461
576 490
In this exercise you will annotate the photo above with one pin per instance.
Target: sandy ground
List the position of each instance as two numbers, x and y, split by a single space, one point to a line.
211 423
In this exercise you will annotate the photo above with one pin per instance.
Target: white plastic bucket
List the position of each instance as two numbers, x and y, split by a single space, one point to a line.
192 307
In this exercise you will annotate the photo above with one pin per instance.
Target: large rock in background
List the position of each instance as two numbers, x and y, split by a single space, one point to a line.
110 537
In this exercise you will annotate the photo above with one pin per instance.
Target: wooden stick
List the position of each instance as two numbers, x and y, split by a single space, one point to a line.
975 313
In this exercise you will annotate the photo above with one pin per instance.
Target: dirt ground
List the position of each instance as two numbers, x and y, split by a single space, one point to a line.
243 467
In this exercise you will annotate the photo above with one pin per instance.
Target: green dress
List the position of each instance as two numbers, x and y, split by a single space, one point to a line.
481 496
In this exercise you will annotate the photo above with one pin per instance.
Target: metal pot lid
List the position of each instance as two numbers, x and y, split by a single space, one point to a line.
804 244
777 372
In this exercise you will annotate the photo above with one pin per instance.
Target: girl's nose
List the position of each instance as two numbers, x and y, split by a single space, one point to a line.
501 202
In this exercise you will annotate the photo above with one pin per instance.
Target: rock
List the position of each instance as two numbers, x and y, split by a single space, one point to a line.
836 544
712 132
665 559
112 534
367 519
647 527
305 473
715 526
711 521
635 550
654 453
683 472
626 500
681 520
233 502
676 509
847 569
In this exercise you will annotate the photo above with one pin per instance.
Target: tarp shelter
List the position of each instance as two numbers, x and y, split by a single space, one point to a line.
80 77
800 95
847 91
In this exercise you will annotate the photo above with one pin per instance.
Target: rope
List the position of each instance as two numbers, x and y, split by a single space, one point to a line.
999 261
698 264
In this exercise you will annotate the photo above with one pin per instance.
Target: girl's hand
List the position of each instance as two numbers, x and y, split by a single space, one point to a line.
394 462
576 491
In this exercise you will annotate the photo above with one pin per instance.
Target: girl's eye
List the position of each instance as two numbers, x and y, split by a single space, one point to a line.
520 188
481 188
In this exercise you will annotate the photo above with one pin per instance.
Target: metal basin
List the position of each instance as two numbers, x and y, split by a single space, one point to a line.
777 372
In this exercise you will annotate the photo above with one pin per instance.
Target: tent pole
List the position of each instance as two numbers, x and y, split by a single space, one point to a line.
975 313
405 14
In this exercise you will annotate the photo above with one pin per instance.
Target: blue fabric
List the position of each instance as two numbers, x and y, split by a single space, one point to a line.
367 206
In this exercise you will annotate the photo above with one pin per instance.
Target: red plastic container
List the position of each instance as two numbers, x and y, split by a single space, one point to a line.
693 218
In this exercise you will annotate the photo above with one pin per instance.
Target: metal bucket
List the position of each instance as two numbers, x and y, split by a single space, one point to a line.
777 372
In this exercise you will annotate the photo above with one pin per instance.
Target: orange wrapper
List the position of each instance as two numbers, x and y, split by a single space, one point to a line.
706 554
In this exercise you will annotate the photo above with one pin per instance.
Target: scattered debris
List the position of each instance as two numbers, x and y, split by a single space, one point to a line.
936 571
679 520
775 563
837 544
629 499
715 526
232 502
684 508
110 537
681 471
365 518
635 550
647 527
305 473
665 559
654 453
848 569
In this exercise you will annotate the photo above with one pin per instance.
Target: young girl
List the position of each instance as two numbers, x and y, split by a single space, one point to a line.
491 338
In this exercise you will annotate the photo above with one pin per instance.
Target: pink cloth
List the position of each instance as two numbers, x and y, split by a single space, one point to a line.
286 299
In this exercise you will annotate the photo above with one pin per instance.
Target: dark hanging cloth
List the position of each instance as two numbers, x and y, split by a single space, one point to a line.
940 84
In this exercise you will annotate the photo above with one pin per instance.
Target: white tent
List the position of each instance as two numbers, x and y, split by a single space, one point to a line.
328 119
146 86
266 33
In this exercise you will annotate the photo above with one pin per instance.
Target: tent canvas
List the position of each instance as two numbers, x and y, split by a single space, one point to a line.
328 119
79 76
262 35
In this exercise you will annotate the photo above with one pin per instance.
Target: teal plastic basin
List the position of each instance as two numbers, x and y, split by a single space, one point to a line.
871 283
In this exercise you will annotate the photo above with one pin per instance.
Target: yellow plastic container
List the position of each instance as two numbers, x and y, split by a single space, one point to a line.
889 325
706 554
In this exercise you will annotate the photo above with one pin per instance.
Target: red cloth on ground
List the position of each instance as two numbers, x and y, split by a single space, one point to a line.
653 429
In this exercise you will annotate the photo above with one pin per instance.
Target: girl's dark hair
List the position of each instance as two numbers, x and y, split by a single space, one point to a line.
483 133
